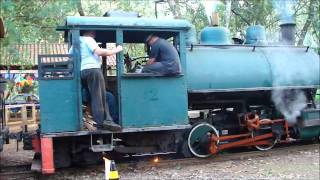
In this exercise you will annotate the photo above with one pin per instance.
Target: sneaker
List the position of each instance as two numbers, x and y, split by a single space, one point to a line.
110 125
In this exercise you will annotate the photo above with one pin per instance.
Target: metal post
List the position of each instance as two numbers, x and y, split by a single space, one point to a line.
77 62
119 41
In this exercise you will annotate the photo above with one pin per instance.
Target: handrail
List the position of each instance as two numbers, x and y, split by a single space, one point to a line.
245 45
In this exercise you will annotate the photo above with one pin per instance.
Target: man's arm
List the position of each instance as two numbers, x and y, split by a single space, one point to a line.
106 52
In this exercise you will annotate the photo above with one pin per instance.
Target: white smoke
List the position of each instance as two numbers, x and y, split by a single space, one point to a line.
284 8
210 7
285 72
289 103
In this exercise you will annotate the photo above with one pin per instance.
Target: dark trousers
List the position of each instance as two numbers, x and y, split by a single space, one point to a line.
93 81
157 68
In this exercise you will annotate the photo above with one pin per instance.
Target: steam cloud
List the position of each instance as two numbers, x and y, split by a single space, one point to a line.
289 102
285 8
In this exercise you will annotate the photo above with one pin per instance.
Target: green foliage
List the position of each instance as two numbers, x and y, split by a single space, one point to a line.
246 13
34 21
197 16
258 12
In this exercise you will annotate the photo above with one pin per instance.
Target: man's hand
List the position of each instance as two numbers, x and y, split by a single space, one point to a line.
151 61
118 48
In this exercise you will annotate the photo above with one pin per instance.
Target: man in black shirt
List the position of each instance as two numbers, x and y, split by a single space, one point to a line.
163 58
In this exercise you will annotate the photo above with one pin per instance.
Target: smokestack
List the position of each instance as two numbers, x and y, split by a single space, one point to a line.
215 19
288 31
287 22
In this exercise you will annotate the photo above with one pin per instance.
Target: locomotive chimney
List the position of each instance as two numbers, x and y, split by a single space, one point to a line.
215 19
287 30
287 22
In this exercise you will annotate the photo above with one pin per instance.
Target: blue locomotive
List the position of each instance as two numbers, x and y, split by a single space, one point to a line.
228 95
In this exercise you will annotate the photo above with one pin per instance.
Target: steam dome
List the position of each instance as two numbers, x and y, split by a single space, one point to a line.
255 35
214 36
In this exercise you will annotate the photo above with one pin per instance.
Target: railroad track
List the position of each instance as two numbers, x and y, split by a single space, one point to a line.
145 163
167 163
17 172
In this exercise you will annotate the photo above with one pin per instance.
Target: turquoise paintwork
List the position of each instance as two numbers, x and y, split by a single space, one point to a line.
255 35
59 112
133 23
215 36
148 101
232 68
128 22
310 131
153 101
60 99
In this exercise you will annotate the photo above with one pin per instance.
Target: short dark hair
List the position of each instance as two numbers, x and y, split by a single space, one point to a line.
149 37
82 32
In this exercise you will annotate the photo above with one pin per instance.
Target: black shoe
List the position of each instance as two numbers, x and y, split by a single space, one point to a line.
100 127
110 125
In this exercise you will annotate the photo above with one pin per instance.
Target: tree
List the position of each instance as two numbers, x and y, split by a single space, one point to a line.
253 12
35 21
32 22
310 14
191 10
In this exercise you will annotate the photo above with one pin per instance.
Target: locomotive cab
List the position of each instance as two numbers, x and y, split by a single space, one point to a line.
144 99
152 109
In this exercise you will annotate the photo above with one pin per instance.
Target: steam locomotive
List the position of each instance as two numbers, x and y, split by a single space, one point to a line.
227 95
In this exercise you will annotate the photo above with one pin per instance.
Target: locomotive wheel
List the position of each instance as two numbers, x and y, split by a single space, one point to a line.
199 141
272 141
266 147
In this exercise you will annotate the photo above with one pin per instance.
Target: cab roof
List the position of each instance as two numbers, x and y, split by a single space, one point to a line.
127 22
135 29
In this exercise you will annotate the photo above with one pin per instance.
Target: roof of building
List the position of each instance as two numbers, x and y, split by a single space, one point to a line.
27 54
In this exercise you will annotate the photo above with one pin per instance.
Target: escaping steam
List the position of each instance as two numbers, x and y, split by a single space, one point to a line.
285 67
289 103
285 73
285 9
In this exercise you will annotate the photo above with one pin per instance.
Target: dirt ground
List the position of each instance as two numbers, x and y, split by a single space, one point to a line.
11 157
293 164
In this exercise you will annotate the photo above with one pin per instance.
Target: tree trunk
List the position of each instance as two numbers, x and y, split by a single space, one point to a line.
306 26
174 8
80 9
228 12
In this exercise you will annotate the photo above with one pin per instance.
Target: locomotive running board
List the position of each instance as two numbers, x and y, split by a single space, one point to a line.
124 130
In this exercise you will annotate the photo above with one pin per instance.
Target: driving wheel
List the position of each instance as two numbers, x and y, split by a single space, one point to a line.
199 139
